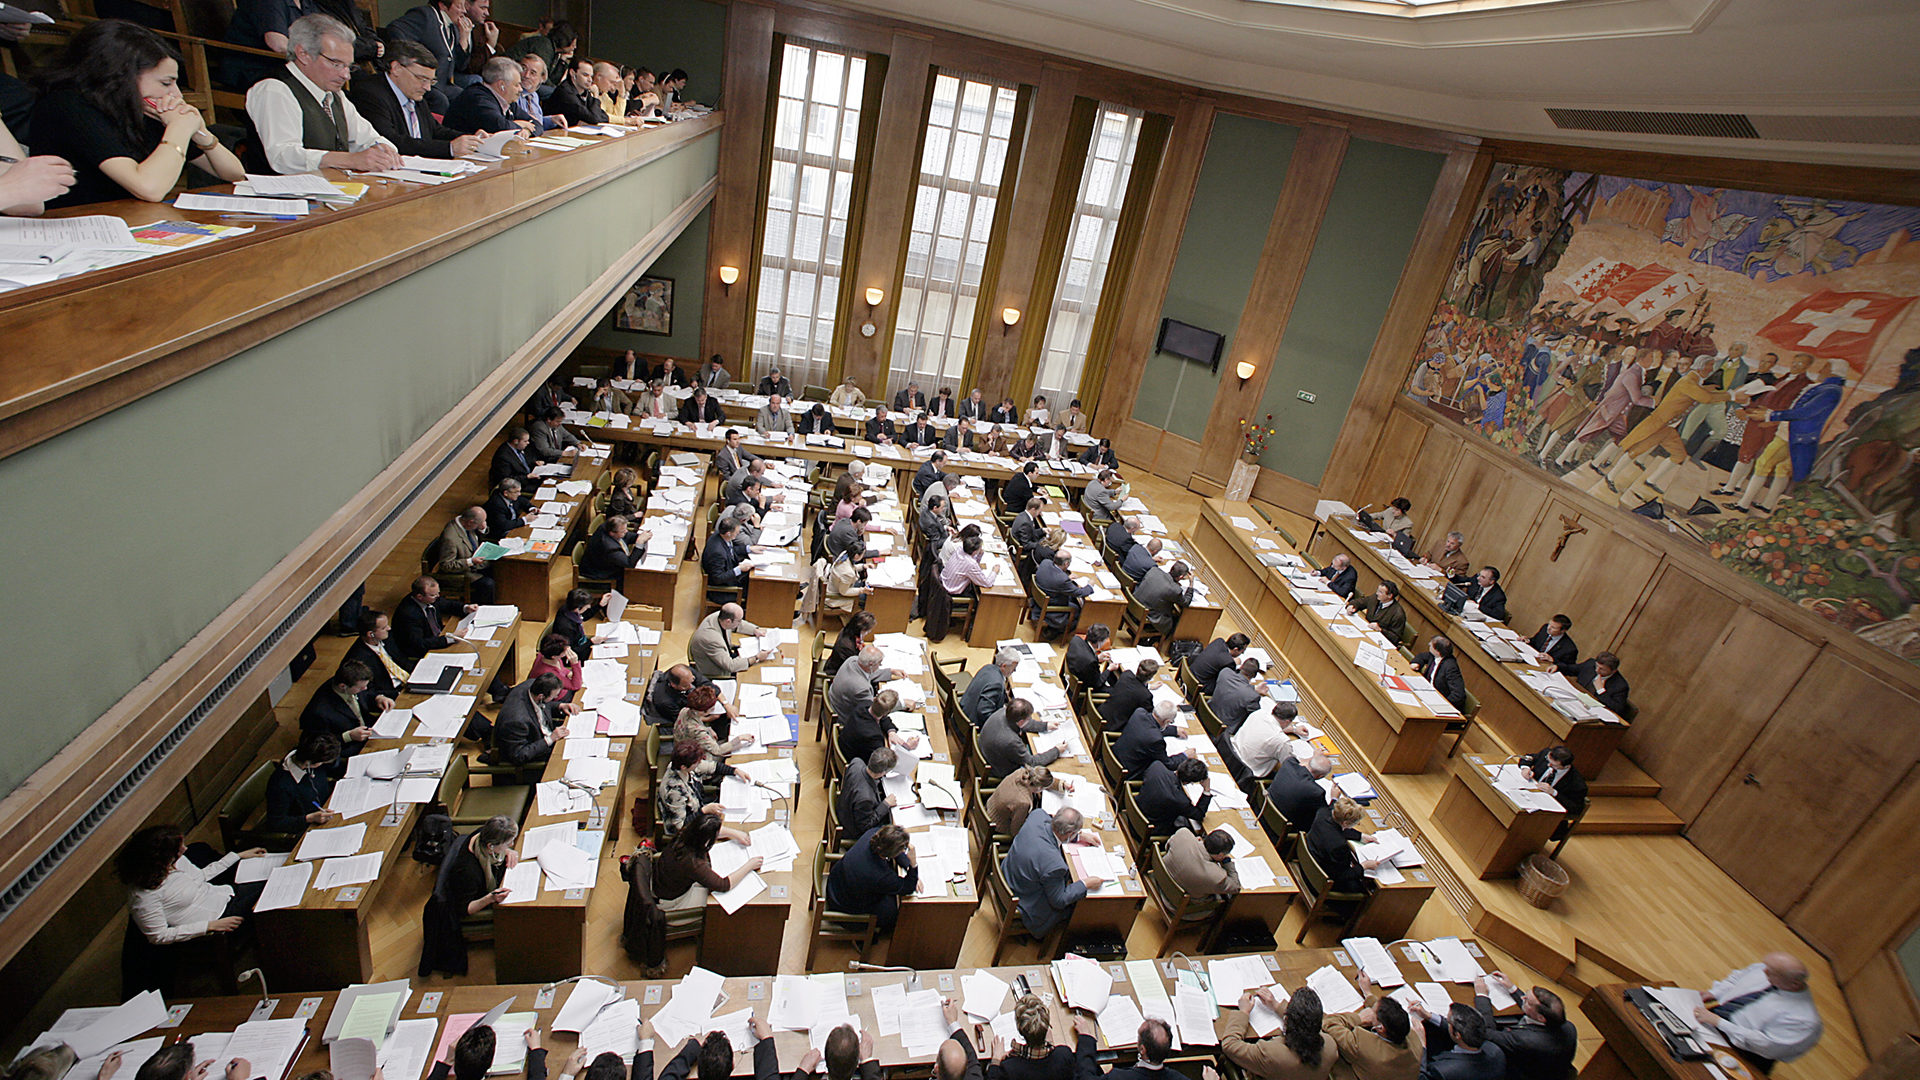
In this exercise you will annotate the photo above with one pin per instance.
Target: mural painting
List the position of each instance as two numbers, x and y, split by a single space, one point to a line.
1740 368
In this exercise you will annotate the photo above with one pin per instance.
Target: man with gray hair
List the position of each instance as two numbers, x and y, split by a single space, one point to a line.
1104 494
987 693
851 692
488 105
1037 873
533 75
303 120
1296 789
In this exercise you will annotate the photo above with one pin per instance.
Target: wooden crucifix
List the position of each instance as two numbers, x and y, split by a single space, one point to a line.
1569 527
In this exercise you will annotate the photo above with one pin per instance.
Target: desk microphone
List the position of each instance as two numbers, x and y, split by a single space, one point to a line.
913 976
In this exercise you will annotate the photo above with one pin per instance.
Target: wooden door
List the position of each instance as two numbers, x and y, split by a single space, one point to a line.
1826 759
1598 578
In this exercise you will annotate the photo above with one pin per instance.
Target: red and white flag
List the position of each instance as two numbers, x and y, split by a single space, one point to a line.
1837 325
1661 296
1597 278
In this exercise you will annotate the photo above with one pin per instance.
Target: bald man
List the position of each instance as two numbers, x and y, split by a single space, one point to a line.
1765 1009
456 562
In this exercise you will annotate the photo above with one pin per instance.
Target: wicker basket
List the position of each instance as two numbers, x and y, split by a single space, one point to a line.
1542 879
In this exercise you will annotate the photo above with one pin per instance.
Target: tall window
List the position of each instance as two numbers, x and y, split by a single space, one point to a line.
815 134
968 125
1083 265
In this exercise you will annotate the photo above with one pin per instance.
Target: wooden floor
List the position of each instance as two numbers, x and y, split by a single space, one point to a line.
1661 906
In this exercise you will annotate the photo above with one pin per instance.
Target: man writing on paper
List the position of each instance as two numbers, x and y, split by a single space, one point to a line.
395 105
1037 872
305 123
712 649
489 105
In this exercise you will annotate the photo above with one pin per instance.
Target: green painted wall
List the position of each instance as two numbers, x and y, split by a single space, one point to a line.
686 264
1233 201
663 35
1377 203
517 12
151 520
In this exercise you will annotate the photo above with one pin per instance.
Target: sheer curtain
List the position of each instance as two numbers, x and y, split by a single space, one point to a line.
1083 265
815 136
969 122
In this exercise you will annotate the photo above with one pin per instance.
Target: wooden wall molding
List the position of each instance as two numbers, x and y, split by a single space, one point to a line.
47 804
1786 177
726 320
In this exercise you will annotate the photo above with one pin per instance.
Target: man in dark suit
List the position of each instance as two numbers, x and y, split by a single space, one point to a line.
987 693
1165 800
725 560
512 459
1087 660
525 734
880 429
1020 487
931 473
1061 590
1552 644
1457 1046
1219 655
1383 609
1128 692
919 433
503 509
1341 576
1296 791
1601 677
1026 530
974 407
864 803
386 674
1538 1042
574 99
958 437
396 105
1144 740
1141 558
909 398
418 620
443 27
1101 455
775 383
1120 535
488 105
1552 771
1487 593
1165 594
1236 695
1156 1042
731 457
337 709
1443 671
700 409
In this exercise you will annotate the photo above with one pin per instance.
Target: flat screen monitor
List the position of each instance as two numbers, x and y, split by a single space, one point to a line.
1191 342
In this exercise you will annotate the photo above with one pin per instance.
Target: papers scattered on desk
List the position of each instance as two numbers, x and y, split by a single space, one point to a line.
1337 995
923 1023
326 843
269 1046
348 870
522 882
566 866
241 204
1374 960
392 724
1235 975
554 798
1451 962
615 1030
737 897
1430 994
1194 1014
286 887
1255 873
1120 1020
138 1014
584 1002
259 868
1354 786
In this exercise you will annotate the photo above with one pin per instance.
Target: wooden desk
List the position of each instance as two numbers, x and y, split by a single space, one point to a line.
1523 719
1395 738
324 943
544 939
526 580
655 588
999 609
1633 1050
1489 829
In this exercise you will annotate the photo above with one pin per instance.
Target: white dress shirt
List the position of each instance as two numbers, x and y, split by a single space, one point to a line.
1780 1026
185 902
406 107
1261 744
276 115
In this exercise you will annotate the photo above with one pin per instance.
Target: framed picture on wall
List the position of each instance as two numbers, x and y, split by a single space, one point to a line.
647 308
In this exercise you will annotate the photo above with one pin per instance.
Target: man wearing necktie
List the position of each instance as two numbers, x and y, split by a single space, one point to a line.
303 121
395 105
1764 1009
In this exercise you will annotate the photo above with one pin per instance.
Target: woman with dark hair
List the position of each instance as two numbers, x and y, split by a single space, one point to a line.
112 107
853 638
625 497
1300 1052
684 876
677 802
469 883
570 624
698 725
847 495
176 895
558 659
298 789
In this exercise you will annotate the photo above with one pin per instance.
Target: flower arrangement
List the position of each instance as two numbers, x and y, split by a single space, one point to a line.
1254 437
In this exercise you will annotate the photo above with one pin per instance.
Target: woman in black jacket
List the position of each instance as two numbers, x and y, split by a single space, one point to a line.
1329 839
469 884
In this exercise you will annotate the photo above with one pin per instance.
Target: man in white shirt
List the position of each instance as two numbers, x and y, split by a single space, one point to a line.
305 123
1266 738
1765 1009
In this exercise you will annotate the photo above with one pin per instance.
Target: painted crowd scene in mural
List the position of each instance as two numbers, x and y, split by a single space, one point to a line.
1737 367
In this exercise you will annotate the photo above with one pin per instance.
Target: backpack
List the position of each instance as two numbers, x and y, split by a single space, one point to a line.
643 926
432 839
1184 649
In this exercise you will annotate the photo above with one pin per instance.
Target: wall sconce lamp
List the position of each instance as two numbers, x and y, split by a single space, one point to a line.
728 275
1244 369
874 296
1009 316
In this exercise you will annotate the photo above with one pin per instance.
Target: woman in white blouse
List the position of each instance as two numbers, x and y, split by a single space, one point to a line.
175 895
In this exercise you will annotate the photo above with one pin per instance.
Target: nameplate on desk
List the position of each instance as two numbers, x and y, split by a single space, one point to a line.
263 1008
1283 881
1473 948
778 892
963 888
780 813
308 1007
853 986
1273 964
631 697
471 686
651 997
391 820
1247 816
786 751
636 682
1340 957
756 990
430 1001
1419 875
543 999
175 1014
616 748
946 980
349 894
940 758
575 894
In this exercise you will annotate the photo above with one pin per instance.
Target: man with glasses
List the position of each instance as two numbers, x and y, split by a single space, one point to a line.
304 121
396 109
488 104
533 75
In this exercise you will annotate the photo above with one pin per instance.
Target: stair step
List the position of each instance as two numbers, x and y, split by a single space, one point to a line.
1622 777
1584 975
1617 816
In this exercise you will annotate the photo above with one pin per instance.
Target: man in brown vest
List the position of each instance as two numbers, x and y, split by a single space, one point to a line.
303 121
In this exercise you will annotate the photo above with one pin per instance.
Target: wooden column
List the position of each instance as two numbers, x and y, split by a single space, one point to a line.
1311 174
1153 267
1449 212
726 323
888 206
997 349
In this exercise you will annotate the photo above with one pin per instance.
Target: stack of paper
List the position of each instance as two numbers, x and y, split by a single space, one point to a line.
1083 983
367 1011
1374 960
689 1009
326 843
923 1022
1337 995
587 998
348 870
1235 975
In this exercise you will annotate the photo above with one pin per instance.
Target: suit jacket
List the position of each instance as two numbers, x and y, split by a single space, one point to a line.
766 1062
329 711
456 550
768 387
845 536
382 684
1164 599
289 801
877 429
1137 562
1165 802
1340 581
969 409
711 649
941 406
1445 678
477 109
1565 654
1294 791
1492 600
1100 455
1330 846
862 881
606 557
1570 789
520 734
952 441
1142 743
581 108
1490 1063
985 695
719 562
375 99
1270 1059
509 462
1195 871
691 413
919 435
1530 1049
503 516
1126 694
1039 878
729 461
1364 1055
928 475
422 24
850 694
1209 662
1390 618
902 401
1100 500
1613 697
1016 491
1002 415
1234 698
1005 749
863 803
1119 540
416 628
1026 531
1083 663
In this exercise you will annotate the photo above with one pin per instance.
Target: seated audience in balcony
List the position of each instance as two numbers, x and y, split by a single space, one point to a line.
488 105
394 102
574 97
304 121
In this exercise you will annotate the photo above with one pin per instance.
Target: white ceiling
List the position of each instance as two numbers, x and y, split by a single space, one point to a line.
1492 72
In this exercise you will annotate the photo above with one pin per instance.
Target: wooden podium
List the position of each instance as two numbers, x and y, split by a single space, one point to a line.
1488 828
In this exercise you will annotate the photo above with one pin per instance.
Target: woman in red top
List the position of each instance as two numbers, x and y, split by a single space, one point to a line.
557 659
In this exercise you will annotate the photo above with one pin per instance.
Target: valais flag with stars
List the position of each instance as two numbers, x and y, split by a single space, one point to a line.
1644 293
1837 325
